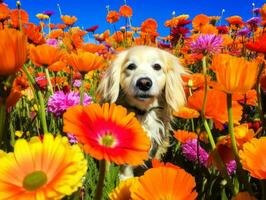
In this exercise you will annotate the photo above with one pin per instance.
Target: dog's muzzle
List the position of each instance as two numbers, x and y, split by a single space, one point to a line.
144 84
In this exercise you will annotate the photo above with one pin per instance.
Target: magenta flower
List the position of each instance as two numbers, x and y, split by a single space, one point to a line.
60 102
207 44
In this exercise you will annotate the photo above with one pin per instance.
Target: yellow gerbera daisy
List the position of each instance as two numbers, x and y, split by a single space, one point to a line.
41 169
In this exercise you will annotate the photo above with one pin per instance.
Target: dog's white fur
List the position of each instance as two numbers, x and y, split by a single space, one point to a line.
119 86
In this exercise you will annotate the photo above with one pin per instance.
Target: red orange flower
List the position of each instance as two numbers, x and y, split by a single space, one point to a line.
184 136
199 21
108 132
33 33
24 17
149 26
259 45
125 11
112 16
187 113
4 12
235 20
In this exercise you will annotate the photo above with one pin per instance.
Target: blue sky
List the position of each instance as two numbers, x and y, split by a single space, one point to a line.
93 12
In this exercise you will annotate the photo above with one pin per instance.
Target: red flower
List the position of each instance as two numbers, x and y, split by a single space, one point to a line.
92 29
259 45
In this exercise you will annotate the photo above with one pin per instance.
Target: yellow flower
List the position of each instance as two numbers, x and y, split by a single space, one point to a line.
235 74
41 169
19 133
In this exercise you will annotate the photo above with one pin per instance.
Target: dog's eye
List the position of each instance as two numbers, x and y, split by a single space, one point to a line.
157 67
131 66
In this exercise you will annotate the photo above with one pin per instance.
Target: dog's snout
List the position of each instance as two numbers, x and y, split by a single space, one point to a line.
144 84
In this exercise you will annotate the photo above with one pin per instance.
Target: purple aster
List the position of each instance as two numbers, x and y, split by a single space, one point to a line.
244 32
254 21
77 83
231 167
52 42
72 139
48 12
207 43
192 151
59 102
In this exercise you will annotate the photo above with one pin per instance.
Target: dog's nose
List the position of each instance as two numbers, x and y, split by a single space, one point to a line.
144 84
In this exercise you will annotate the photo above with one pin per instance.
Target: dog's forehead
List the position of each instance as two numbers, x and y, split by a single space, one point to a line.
144 54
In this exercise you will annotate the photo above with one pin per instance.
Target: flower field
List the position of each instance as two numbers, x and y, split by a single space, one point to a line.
59 140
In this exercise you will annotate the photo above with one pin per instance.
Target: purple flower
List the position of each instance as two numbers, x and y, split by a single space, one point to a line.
48 12
256 11
72 139
207 43
231 167
59 102
254 21
52 42
192 151
77 83
244 32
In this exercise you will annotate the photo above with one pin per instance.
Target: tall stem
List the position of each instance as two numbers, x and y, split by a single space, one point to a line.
259 96
50 86
82 90
100 184
2 120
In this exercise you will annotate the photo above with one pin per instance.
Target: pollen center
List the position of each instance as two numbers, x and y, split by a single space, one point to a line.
34 180
108 140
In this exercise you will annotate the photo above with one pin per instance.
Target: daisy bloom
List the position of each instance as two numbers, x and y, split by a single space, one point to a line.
43 170
108 132
112 16
253 157
235 74
164 183
122 191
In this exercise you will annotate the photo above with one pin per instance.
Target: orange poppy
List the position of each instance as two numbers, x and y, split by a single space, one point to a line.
126 11
149 26
263 11
184 136
4 12
33 33
195 80
57 66
187 113
216 108
243 196
85 61
259 45
68 20
93 48
199 21
209 29
54 34
235 74
112 16
61 26
157 163
249 98
235 20
170 184
253 157
108 132
45 55
13 51
19 16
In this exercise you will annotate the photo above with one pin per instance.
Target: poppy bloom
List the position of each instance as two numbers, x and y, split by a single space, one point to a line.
43 170
187 113
68 20
125 11
112 16
4 12
263 11
184 136
58 66
253 158
13 51
170 184
259 45
33 33
56 33
149 26
45 55
235 20
16 20
108 132
235 74
199 21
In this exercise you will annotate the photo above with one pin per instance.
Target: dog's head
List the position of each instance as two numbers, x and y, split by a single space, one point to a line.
143 75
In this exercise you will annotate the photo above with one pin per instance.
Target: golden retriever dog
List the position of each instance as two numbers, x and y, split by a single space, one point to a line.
147 81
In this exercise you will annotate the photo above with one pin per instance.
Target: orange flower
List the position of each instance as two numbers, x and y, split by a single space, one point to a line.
235 20
85 61
112 16
209 29
24 17
263 11
68 20
215 106
45 55
93 48
61 26
56 33
187 113
125 11
194 81
253 157
199 21
149 26
184 136
259 45
170 184
33 33
57 66
108 132
235 74
4 12
243 196
13 51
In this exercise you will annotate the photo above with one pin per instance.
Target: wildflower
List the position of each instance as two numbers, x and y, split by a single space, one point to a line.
33 33
235 20
125 11
59 102
43 170
184 136
77 83
92 29
244 32
52 42
68 20
207 44
149 26
16 20
235 74
263 12
252 157
259 45
48 12
167 181
13 51
199 21
58 66
192 151
187 113
222 29
72 139
254 21
4 12
231 167
42 16
108 132
112 16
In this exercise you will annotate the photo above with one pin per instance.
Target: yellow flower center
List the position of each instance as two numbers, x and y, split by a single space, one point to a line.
34 180
108 140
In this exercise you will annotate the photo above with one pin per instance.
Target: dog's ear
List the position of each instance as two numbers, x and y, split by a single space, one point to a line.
174 92
110 83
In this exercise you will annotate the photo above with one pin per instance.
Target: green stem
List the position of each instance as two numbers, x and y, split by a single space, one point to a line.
42 112
50 87
100 184
2 120
259 96
81 91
